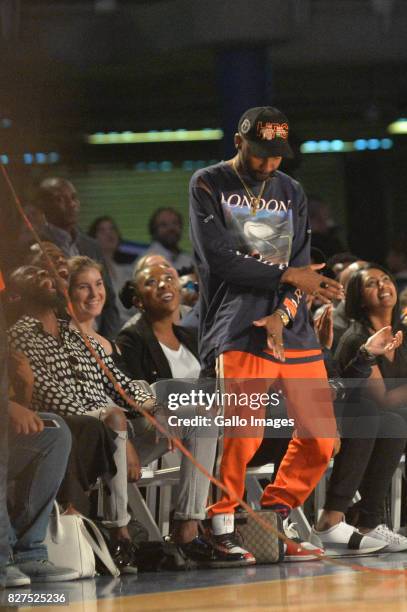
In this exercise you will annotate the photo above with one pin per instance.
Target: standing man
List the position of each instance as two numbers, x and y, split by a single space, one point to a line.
58 199
249 228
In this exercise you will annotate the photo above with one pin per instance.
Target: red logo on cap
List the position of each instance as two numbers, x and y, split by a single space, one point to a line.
269 131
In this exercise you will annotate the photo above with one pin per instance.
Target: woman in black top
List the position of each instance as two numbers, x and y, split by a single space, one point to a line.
156 347
372 303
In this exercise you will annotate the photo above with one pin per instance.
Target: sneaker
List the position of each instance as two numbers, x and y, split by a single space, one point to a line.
16 578
230 543
206 554
45 571
123 554
297 550
227 539
395 541
345 540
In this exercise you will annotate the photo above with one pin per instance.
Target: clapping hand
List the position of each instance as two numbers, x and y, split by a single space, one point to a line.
324 327
383 341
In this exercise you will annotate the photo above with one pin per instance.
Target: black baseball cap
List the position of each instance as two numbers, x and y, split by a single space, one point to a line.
266 130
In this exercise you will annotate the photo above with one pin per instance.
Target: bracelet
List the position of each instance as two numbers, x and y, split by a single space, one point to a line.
284 316
367 356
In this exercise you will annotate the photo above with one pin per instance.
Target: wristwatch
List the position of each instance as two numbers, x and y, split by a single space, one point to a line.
367 356
284 316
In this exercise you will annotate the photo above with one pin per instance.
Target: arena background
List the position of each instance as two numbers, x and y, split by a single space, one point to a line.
74 68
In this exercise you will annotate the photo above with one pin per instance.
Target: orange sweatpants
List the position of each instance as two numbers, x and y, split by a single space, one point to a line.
303 379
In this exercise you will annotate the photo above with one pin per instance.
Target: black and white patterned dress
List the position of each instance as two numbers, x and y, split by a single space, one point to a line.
68 379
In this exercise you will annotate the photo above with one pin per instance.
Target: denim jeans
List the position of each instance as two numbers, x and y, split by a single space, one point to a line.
37 464
4 545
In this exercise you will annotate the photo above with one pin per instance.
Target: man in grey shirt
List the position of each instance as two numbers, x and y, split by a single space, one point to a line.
165 226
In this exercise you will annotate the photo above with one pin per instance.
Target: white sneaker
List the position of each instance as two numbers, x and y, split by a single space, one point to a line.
16 578
343 539
395 541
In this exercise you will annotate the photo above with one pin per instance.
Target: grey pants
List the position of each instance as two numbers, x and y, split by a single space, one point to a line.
115 511
199 440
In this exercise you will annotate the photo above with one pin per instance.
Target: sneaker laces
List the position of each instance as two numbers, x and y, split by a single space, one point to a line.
290 530
390 536
229 540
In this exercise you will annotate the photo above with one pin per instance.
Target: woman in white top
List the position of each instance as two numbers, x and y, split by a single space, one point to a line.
88 295
155 347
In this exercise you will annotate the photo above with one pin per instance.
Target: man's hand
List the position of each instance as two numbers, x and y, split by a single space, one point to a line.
133 463
24 421
324 327
307 280
383 341
274 329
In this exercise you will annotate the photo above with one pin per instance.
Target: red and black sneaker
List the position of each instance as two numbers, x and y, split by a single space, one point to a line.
296 549
231 543
208 554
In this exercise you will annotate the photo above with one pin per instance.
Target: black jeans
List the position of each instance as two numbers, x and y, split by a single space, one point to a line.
372 442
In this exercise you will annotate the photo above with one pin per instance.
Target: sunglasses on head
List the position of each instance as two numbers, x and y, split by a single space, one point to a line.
191 286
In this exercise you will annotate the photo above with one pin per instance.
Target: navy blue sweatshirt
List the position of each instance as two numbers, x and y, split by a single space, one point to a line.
241 257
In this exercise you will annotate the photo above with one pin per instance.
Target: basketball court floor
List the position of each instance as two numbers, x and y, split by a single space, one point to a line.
305 586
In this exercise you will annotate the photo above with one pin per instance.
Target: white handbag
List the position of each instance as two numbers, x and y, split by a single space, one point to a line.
70 544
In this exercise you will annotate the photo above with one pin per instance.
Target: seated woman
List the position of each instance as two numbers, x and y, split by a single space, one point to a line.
88 296
372 442
155 346
126 293
371 301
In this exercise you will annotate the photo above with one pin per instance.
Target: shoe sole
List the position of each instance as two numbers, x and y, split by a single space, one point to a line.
364 552
129 571
18 582
343 550
226 564
299 559
63 578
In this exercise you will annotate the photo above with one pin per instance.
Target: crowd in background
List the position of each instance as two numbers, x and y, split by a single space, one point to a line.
141 319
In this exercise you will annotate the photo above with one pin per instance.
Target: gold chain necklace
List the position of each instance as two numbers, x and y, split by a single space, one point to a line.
254 200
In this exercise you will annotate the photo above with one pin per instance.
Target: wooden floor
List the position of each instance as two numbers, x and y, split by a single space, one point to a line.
299 587
354 591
